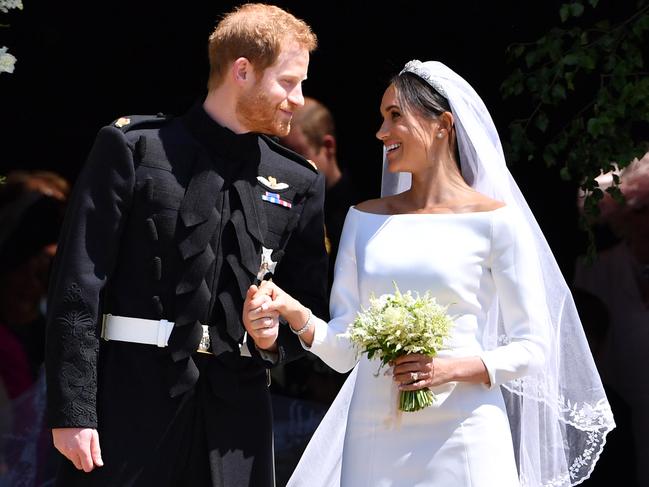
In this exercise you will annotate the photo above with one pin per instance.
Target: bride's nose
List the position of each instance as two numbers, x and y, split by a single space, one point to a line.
382 133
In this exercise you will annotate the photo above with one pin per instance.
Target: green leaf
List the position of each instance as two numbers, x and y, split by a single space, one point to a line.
617 194
610 63
564 12
641 25
603 25
541 122
570 59
532 83
569 77
587 61
564 173
594 127
558 91
549 158
607 41
593 3
576 9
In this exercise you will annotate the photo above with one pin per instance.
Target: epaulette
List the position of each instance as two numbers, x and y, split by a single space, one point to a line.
132 122
288 153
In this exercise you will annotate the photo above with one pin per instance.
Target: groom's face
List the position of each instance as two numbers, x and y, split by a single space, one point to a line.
267 106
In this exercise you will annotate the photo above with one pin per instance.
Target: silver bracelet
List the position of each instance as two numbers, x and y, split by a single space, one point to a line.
306 326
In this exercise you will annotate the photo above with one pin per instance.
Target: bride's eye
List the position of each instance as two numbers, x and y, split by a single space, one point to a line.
394 115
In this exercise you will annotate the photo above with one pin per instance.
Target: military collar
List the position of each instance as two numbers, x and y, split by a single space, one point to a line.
220 140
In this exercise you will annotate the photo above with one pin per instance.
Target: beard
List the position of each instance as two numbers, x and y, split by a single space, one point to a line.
258 114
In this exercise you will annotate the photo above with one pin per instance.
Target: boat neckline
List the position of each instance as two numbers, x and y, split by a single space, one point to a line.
431 214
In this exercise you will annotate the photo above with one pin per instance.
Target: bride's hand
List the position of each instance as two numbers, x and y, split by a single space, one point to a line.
296 314
416 371
280 301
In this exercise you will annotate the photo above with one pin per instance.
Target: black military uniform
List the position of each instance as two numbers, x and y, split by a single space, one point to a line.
169 220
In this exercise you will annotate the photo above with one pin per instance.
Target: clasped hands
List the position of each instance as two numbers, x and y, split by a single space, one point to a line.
262 308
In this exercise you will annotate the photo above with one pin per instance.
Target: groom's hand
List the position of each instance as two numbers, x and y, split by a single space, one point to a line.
261 323
80 446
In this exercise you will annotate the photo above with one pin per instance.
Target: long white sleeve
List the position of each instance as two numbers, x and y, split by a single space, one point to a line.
335 350
520 291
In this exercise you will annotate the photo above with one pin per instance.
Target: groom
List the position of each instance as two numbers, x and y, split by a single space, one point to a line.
151 381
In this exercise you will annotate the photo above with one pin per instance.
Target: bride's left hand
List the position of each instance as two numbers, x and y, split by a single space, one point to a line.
416 371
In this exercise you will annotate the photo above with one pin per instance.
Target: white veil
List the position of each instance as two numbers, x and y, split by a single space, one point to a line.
559 418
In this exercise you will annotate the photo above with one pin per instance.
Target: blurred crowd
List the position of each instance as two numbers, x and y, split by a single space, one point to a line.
612 295
32 205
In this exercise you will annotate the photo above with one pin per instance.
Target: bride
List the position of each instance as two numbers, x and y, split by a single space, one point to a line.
513 408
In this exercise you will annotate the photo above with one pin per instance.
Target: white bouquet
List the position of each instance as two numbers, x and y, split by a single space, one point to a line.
399 324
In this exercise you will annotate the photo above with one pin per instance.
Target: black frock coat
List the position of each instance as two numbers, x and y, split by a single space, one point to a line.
168 220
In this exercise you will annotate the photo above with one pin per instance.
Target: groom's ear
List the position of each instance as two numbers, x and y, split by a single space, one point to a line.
242 72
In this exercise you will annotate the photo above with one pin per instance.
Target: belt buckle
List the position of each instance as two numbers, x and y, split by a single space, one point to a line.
104 318
205 343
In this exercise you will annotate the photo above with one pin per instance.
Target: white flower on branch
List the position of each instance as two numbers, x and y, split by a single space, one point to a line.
6 5
7 61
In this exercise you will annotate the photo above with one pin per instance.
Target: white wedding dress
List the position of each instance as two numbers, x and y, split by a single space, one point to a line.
464 260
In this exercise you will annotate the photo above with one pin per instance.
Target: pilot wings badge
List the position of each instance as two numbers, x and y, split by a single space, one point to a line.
272 183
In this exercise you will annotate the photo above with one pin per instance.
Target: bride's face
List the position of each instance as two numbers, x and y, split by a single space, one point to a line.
406 136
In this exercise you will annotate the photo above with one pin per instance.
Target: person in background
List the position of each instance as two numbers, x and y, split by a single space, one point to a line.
304 388
32 204
313 135
617 464
619 277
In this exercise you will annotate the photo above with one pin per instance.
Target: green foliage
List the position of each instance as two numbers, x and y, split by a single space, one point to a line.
585 91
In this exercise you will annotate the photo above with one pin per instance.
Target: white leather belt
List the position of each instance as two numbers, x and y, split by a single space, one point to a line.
150 332
136 330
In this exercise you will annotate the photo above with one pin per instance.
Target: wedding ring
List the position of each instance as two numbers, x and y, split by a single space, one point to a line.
415 376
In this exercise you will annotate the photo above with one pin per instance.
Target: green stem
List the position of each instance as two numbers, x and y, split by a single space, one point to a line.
410 401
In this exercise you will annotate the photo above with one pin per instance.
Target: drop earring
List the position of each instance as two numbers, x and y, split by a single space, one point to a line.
440 135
